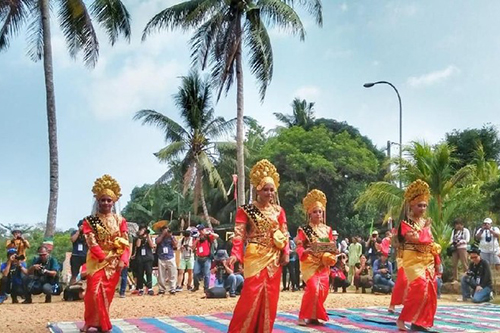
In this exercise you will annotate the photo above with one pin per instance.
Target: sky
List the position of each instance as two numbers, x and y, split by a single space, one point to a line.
442 56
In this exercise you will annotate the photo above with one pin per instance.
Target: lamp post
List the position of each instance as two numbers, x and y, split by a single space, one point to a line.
371 84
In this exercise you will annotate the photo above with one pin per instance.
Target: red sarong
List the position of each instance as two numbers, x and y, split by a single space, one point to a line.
98 298
256 309
313 301
400 288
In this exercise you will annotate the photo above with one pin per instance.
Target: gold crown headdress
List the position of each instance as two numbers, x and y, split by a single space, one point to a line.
314 199
106 185
417 191
262 173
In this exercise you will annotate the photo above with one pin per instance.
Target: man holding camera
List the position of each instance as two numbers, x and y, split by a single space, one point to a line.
14 275
79 253
202 265
382 274
373 246
487 236
144 259
477 279
186 262
166 244
224 274
18 242
42 276
460 237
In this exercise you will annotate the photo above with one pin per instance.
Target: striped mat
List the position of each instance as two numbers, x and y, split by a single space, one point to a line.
467 318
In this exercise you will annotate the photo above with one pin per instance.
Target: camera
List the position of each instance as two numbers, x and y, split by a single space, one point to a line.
470 273
20 257
43 271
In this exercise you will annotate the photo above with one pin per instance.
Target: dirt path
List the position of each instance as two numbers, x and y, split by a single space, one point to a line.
34 317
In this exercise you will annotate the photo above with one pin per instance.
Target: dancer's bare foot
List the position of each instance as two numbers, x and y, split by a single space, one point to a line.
314 322
84 328
391 309
401 325
302 322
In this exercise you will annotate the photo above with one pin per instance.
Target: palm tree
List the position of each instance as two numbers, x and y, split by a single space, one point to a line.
221 28
76 24
192 144
431 164
302 114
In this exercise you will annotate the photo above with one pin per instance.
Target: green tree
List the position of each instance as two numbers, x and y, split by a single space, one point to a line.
192 145
466 142
221 28
77 27
337 164
302 114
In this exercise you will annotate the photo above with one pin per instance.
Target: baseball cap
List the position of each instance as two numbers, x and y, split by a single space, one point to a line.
11 251
335 233
488 220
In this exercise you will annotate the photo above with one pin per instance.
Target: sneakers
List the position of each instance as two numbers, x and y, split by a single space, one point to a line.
179 289
151 292
195 289
161 292
172 292
232 295
190 288
122 295
140 293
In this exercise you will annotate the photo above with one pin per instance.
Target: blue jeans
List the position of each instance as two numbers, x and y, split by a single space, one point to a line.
124 280
381 280
468 284
202 271
232 283
439 282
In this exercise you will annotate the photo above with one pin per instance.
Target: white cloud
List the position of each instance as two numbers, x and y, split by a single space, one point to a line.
138 85
433 77
344 7
309 93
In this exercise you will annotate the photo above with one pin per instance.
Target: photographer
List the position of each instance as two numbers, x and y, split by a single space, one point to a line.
203 246
144 259
477 279
186 262
14 275
373 246
460 237
42 276
488 242
166 244
339 274
18 242
79 253
224 274
382 275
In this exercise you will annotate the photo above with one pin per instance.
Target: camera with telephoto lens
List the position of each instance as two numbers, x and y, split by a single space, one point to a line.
20 257
470 273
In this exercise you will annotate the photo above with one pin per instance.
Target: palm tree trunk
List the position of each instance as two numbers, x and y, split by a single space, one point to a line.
205 210
240 135
51 118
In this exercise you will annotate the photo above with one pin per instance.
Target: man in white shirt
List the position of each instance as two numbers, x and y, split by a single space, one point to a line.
487 236
460 237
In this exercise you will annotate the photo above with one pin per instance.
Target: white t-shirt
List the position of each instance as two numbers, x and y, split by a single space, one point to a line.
492 245
462 238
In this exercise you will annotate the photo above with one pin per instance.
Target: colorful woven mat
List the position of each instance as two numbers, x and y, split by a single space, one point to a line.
467 318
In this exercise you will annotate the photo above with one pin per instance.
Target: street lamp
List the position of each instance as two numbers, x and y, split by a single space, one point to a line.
371 84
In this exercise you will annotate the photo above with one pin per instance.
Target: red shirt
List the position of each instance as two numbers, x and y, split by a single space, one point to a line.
203 247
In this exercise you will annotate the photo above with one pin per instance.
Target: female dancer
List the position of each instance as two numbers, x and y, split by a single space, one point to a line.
262 227
420 257
106 234
314 265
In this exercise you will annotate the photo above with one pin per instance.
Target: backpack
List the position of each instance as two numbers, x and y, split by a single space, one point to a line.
216 292
381 289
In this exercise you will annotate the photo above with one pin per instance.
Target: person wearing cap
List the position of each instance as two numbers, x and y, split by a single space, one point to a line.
18 242
42 276
166 245
477 280
314 264
372 247
224 273
488 236
420 258
203 261
79 253
260 244
382 274
14 274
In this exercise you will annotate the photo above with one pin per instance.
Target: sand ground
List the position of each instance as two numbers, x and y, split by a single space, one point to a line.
34 317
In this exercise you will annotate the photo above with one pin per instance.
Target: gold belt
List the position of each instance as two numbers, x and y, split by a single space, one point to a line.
423 248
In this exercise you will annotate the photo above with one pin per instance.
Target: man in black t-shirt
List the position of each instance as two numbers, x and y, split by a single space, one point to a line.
79 253
43 276
144 259
477 279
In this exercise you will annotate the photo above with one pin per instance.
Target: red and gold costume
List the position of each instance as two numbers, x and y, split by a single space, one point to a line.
401 286
264 233
107 239
420 257
315 266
